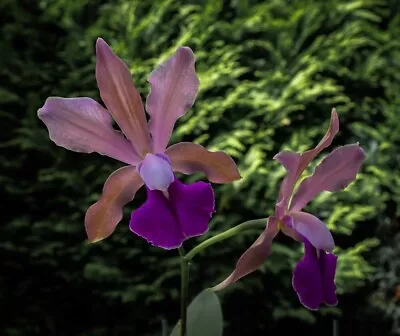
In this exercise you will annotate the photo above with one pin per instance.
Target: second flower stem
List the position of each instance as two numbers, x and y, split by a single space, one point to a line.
251 224
186 258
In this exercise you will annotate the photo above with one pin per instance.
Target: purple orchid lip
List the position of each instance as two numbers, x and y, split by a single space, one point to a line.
167 222
313 278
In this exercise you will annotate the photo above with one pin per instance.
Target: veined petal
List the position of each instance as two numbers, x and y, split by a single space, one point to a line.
188 158
255 255
334 173
83 125
174 86
103 216
121 97
314 230
296 163
167 222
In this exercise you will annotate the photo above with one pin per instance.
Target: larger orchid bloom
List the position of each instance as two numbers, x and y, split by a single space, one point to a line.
173 211
313 276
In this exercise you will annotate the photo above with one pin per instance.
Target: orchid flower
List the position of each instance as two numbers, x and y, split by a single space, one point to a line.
173 211
313 276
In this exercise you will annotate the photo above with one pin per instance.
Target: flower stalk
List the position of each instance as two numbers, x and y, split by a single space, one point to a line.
251 224
184 291
186 259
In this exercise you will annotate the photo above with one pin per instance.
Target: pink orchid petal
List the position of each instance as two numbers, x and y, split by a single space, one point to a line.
295 164
188 158
174 86
290 161
254 256
121 97
325 142
103 216
314 230
334 173
83 125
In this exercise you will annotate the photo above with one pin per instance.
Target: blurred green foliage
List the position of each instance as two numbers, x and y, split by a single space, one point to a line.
270 72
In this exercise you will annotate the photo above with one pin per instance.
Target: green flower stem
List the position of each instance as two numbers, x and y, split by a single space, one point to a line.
251 224
184 291
186 258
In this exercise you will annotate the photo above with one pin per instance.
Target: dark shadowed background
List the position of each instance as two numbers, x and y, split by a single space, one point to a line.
270 72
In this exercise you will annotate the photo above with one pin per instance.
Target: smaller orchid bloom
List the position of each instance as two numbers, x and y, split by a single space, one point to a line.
173 211
313 276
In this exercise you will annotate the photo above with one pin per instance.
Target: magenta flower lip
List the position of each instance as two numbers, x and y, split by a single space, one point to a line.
83 125
313 278
183 215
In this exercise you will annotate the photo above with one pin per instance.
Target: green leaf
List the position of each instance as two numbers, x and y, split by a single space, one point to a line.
204 316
